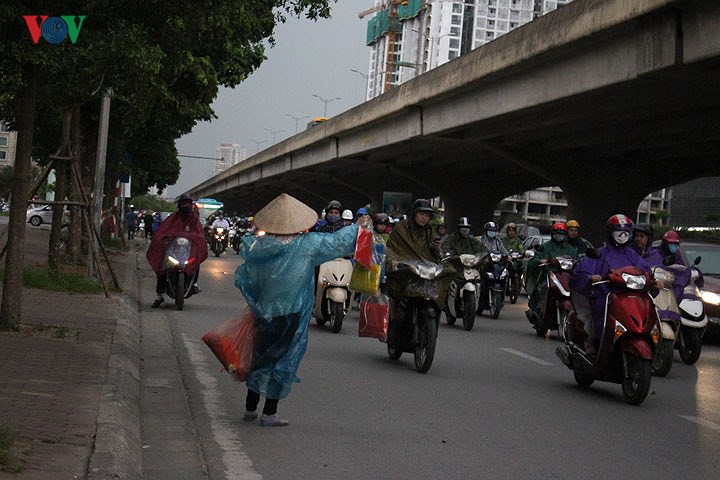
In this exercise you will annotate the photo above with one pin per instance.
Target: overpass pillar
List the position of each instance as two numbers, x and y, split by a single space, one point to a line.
476 204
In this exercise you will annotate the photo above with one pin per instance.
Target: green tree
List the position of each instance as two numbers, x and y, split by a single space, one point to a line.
163 61
6 179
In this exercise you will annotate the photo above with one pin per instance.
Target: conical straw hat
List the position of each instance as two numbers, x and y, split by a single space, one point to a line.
285 215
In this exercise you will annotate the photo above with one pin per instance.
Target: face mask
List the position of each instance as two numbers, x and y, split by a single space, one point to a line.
332 218
673 247
185 208
621 238
491 234
464 232
558 237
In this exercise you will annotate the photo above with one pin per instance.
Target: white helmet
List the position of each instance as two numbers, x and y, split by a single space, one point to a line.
347 215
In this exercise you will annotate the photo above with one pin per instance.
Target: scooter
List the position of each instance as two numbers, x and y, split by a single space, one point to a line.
464 292
180 270
332 295
514 271
693 320
492 289
556 292
629 337
218 240
669 315
416 332
234 238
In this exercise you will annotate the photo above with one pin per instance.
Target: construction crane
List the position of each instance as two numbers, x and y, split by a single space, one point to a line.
392 6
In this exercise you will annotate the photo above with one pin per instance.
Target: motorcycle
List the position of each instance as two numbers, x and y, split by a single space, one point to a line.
464 293
629 337
693 319
669 316
492 288
556 292
180 269
416 332
332 295
234 239
514 272
218 240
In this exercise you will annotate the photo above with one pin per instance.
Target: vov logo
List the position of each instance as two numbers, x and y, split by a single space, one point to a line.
54 29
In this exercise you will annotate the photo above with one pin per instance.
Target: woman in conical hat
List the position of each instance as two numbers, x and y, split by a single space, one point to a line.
277 281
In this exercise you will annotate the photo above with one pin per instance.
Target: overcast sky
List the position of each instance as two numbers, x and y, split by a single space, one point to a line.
308 58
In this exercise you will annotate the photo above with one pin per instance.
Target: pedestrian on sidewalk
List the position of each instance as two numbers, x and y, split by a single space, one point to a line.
277 281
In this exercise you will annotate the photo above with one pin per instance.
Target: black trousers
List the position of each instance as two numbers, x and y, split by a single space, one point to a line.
253 399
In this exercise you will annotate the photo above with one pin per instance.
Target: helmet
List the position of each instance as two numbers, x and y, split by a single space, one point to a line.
183 198
671 236
361 211
347 215
463 222
381 219
422 205
573 223
334 205
442 225
490 226
645 228
221 213
615 225
560 226
511 225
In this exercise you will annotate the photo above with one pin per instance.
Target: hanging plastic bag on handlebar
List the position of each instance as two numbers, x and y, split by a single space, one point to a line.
232 342
374 316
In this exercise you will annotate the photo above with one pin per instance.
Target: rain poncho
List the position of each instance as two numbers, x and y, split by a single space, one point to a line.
277 281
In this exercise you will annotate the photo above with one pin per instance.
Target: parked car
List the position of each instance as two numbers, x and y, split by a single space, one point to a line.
40 215
710 267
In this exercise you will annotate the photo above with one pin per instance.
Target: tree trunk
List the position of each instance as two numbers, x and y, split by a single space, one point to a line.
10 309
60 194
75 233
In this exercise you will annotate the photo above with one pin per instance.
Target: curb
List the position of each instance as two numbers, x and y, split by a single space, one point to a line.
117 452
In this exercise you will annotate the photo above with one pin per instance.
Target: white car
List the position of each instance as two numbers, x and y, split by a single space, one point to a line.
39 215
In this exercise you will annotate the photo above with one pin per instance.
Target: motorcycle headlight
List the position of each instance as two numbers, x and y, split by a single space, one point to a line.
710 297
565 263
634 282
173 260
220 230
495 257
468 260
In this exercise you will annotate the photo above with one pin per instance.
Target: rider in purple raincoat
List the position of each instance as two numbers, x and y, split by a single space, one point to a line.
615 254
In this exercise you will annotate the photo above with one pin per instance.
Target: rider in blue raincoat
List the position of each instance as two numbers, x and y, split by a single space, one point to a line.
277 281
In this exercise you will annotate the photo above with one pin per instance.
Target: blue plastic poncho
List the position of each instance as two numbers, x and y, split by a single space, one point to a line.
277 281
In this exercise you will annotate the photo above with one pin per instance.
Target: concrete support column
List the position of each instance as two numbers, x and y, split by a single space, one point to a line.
477 205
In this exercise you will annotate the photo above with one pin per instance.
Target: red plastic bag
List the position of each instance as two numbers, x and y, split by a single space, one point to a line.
232 342
364 247
374 317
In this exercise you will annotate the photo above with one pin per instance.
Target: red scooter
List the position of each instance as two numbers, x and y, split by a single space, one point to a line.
556 295
630 333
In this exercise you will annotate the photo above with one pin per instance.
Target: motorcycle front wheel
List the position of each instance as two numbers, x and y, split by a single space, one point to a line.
337 315
663 357
180 291
584 380
427 338
393 351
496 304
469 312
636 381
689 344
514 289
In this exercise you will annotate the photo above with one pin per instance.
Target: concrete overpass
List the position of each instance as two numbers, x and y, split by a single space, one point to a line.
608 99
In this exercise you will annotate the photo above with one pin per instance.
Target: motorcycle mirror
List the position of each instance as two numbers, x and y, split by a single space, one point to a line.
697 260
592 253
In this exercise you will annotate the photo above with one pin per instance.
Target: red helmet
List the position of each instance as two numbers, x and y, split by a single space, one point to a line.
671 236
559 226
618 223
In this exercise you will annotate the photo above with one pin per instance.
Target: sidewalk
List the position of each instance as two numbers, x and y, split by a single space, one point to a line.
71 393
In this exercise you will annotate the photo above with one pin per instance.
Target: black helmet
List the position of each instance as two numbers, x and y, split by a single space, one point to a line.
422 205
490 226
381 219
184 198
645 228
463 222
334 205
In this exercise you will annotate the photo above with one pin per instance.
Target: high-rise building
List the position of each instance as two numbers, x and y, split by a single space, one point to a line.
229 154
8 145
409 37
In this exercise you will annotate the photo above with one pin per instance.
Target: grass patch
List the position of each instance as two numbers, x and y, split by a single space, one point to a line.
9 461
115 243
60 282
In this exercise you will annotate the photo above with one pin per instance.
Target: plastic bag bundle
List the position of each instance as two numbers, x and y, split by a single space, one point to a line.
232 342
365 280
374 316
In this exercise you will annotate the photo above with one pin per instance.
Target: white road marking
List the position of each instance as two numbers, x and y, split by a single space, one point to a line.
237 464
703 422
527 357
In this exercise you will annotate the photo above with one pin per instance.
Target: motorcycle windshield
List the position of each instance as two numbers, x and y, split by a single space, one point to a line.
177 252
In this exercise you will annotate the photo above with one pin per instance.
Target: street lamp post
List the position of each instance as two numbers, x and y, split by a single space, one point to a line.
325 101
367 80
297 120
274 133
257 143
